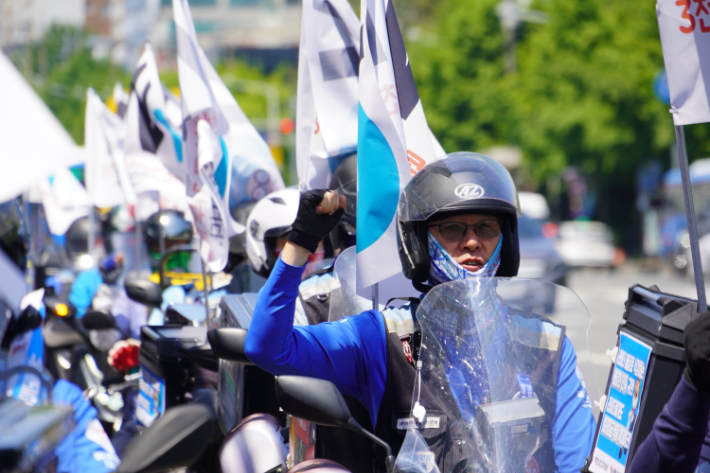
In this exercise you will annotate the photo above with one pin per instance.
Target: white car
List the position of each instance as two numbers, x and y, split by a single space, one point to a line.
584 243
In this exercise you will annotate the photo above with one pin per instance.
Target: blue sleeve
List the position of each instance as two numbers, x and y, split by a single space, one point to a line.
676 439
573 426
351 352
87 447
84 289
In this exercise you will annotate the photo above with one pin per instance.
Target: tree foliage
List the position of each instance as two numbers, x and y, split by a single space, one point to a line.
581 94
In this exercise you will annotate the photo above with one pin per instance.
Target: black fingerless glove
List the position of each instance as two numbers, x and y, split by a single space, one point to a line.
309 227
697 352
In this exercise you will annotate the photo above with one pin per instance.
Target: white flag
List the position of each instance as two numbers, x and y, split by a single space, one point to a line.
685 37
155 186
253 172
64 199
34 143
327 89
204 149
106 179
149 127
394 141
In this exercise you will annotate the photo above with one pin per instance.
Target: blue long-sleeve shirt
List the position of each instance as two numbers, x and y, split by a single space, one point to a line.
678 441
87 447
352 354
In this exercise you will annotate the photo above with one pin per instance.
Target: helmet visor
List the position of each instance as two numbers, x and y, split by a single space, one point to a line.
461 182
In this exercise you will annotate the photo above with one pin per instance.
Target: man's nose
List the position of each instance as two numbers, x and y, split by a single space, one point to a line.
470 240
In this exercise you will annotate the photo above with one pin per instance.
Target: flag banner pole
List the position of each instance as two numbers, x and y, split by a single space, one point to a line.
92 235
32 223
206 290
138 244
376 296
690 216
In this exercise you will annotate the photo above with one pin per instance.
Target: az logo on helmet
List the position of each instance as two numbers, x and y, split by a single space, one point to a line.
469 191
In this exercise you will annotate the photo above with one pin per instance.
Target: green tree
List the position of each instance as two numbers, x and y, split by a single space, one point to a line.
581 95
584 88
458 66
64 90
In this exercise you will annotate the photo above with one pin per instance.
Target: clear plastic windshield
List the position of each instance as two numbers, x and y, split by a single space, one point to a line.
344 301
486 388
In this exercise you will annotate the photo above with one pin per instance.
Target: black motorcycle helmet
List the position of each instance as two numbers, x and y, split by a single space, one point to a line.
459 183
344 181
175 229
77 240
14 238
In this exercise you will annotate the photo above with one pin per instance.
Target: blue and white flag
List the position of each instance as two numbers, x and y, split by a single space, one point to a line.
253 172
394 141
327 89
149 127
207 160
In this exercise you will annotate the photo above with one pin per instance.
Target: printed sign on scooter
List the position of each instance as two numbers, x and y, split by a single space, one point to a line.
151 398
621 410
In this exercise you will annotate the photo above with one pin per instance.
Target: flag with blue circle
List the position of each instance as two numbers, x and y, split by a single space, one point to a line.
394 141
205 128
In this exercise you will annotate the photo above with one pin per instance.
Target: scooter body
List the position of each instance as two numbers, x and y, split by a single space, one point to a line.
79 354
254 446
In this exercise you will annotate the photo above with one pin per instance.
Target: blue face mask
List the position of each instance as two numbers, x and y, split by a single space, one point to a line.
444 268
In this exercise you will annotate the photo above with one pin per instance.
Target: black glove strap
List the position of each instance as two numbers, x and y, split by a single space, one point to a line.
309 242
309 228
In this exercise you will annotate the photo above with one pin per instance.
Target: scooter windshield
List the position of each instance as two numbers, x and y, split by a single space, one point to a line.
485 392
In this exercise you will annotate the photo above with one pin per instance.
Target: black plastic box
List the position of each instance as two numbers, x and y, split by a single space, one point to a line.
658 320
163 354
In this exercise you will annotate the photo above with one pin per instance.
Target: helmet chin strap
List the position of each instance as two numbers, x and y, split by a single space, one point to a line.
443 267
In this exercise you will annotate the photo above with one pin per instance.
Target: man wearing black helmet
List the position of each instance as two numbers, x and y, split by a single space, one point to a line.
456 219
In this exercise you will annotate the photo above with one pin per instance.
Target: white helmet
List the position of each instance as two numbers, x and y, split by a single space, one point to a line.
271 217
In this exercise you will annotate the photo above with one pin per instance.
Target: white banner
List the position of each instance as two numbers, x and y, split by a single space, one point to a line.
106 179
155 186
64 199
253 172
394 141
204 149
327 89
34 143
685 37
149 126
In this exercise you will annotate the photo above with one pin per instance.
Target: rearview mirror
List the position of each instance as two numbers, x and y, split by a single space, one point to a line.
144 291
228 344
177 439
320 402
314 400
97 320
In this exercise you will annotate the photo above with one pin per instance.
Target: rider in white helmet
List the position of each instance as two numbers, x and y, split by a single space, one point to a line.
267 226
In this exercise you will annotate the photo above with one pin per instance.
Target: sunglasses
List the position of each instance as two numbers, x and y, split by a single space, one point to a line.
455 231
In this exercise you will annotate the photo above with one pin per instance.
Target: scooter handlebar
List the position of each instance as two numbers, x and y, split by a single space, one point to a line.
228 344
